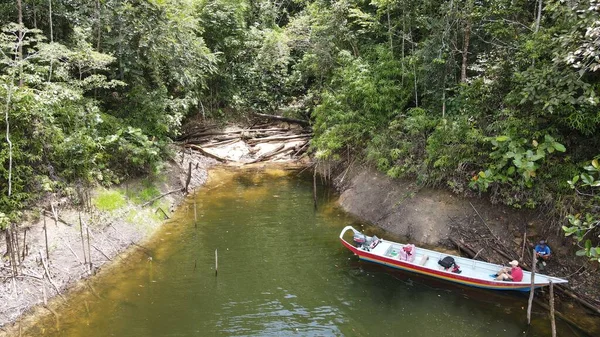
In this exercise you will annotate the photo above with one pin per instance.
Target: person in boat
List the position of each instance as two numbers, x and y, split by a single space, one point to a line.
514 273
407 253
542 252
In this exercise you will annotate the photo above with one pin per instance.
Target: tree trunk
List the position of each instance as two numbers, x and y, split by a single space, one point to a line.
403 44
465 53
414 71
390 33
466 41
34 15
51 35
539 16
10 145
50 20
20 13
99 22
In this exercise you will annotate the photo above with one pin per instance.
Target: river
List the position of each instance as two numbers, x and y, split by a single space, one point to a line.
281 272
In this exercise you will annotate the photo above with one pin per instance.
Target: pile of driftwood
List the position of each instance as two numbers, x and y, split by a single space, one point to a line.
263 142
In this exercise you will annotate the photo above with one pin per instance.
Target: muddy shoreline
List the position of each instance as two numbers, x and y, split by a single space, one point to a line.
75 256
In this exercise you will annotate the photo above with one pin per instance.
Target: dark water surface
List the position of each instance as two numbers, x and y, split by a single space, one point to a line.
281 272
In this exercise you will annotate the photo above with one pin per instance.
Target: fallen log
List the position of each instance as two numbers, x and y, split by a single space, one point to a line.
278 138
301 149
461 246
253 132
208 154
504 254
202 141
578 298
267 154
160 196
222 143
283 119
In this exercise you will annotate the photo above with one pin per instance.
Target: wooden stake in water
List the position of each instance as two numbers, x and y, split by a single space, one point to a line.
552 321
195 215
315 186
531 291
216 262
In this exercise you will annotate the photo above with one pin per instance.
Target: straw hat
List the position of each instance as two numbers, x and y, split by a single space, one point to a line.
514 263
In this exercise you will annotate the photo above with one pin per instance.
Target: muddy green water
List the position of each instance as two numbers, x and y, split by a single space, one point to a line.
281 272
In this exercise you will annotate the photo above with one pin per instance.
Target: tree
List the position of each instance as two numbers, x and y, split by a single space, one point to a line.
585 226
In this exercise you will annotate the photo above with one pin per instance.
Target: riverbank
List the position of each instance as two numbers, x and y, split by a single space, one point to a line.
498 234
61 246
114 220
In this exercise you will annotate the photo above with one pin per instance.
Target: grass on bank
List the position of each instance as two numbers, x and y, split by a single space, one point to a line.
109 200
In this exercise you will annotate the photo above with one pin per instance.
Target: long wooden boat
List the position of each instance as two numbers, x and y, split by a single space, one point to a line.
471 272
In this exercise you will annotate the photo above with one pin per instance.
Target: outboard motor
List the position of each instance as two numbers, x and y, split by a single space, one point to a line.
365 242
359 239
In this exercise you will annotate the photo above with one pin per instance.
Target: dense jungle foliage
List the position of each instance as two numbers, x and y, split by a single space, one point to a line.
495 96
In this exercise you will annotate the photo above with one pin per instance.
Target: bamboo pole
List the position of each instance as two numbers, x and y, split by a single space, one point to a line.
55 213
163 212
48 275
552 321
45 297
87 229
189 177
216 262
531 291
524 243
315 187
82 240
46 236
10 249
16 238
24 245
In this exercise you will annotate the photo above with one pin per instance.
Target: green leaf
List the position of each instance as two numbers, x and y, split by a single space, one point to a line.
587 179
559 147
518 163
502 138
510 170
581 253
595 164
588 244
575 179
569 230
536 157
